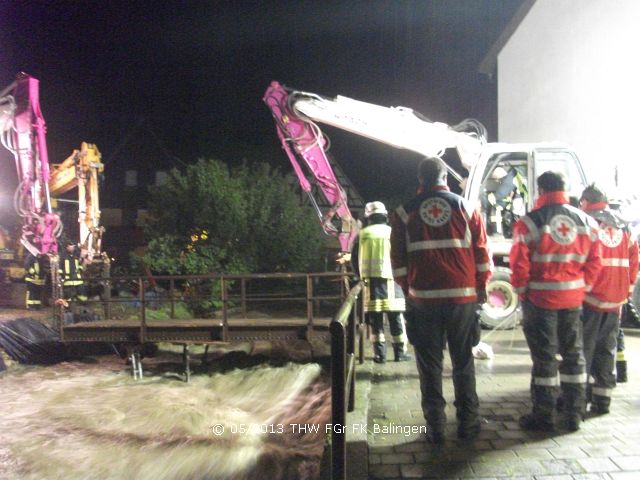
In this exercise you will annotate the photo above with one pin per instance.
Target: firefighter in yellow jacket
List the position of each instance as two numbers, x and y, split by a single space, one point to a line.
372 262
70 270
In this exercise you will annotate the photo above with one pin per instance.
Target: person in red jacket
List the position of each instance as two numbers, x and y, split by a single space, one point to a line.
555 258
601 308
440 259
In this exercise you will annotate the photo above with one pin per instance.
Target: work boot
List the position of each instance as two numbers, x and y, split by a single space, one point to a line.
469 433
400 354
599 409
536 423
435 437
572 422
621 371
379 352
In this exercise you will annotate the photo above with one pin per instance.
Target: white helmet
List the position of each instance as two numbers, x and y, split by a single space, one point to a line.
499 173
372 208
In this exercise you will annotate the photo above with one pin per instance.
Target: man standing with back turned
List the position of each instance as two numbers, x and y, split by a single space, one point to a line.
601 309
440 259
555 259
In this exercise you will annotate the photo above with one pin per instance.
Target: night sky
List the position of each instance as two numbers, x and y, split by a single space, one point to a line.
176 81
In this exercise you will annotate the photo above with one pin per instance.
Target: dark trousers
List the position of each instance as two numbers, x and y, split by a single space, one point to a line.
600 340
396 326
426 329
549 332
34 296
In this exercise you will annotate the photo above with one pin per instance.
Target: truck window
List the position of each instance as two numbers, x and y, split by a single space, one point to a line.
504 194
564 162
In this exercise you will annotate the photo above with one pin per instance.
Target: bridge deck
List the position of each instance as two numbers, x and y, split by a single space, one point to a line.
195 330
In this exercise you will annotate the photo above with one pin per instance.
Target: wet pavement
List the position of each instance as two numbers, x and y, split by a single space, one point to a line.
384 442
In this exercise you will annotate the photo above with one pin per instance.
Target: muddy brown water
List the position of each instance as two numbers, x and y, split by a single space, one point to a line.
89 419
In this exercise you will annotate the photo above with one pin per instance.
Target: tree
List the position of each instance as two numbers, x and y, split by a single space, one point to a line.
210 219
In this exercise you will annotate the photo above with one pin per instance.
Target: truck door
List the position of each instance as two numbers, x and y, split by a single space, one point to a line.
564 161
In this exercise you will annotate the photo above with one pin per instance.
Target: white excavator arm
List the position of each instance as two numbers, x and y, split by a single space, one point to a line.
399 127
297 113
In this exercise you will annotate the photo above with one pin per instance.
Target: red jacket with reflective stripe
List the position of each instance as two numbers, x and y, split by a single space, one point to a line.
555 256
619 261
439 249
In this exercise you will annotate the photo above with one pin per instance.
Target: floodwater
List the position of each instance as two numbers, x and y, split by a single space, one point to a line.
91 420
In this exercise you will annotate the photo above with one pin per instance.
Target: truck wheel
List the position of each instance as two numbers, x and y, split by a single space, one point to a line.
502 310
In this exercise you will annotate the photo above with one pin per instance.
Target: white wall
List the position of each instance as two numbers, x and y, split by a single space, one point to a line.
571 73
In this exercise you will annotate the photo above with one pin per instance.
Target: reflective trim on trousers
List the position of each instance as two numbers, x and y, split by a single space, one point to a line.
394 305
483 267
576 378
377 338
557 285
399 338
602 392
443 293
546 381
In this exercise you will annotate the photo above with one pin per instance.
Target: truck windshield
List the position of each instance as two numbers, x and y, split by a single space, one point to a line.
565 163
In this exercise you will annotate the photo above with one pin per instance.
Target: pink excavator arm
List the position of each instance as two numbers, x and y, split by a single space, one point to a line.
23 130
305 145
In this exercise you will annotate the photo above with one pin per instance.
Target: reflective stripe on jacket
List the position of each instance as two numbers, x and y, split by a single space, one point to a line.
70 271
33 273
374 251
439 249
555 256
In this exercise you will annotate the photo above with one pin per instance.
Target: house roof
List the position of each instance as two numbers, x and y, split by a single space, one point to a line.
489 62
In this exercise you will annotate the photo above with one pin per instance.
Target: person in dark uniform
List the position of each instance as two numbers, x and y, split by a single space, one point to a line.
70 270
441 260
555 259
34 279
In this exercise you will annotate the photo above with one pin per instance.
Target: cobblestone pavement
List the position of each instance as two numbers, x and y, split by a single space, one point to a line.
388 405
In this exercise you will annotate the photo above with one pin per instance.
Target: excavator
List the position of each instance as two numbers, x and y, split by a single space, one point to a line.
499 178
23 133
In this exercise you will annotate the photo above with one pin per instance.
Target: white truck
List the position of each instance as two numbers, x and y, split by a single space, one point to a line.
498 177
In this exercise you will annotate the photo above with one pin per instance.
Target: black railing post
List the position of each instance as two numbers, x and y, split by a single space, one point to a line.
343 336
225 320
172 297
143 311
338 413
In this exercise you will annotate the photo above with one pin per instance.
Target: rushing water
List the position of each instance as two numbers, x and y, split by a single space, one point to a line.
93 421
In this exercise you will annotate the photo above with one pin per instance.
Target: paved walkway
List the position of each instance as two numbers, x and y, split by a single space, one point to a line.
388 402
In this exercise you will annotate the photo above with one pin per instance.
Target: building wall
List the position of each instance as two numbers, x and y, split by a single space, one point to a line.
571 73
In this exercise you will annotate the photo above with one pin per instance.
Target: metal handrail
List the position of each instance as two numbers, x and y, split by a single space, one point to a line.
345 329
226 296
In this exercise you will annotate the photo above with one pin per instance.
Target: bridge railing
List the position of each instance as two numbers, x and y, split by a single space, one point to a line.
347 334
300 295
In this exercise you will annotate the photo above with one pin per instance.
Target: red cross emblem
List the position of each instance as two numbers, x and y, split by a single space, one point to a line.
563 229
435 211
